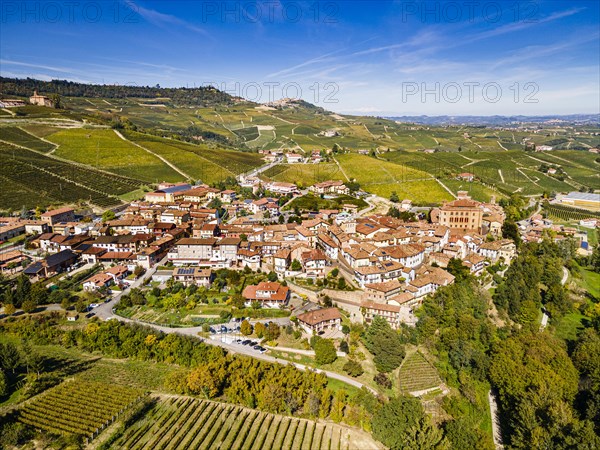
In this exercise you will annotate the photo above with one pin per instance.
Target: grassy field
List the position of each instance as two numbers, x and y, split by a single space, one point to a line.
183 422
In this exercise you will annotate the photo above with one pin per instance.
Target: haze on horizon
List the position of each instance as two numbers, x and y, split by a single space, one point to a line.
356 57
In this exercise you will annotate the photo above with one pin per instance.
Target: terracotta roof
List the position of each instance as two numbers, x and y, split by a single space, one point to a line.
319 315
380 306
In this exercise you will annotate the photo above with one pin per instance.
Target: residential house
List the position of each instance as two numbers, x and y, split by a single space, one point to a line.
268 294
319 321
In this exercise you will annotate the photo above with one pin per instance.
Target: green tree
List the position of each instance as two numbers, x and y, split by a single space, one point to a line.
246 328
272 276
272 331
3 384
458 269
595 259
28 306
393 423
394 197
259 330
353 368
108 215
325 352
9 309
385 345
296 266
511 231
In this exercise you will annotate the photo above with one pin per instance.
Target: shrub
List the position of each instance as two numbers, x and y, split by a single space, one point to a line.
325 351
353 368
382 380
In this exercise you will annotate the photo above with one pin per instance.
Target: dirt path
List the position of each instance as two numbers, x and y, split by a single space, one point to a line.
501 176
496 434
172 166
445 187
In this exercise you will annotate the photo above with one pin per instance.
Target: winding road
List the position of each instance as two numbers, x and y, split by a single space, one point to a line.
105 312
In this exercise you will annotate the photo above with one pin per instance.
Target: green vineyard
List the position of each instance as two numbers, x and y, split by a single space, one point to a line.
32 179
568 213
187 423
78 407
417 374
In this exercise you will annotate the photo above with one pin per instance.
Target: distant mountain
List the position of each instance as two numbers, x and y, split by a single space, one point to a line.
572 119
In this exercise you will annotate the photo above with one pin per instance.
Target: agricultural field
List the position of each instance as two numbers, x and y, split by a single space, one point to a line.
304 174
78 407
181 422
103 149
417 374
381 178
567 213
17 136
31 179
476 190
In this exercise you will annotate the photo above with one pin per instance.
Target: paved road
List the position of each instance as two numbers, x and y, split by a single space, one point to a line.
104 311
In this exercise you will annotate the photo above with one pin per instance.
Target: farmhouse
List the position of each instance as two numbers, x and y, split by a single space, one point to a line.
330 187
320 320
40 100
294 158
268 294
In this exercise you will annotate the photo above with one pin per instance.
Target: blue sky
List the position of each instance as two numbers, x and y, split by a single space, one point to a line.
378 58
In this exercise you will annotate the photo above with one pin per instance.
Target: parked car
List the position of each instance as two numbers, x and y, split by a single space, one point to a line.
262 350
257 347
246 342
238 341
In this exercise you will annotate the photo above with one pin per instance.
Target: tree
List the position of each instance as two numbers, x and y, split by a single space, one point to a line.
272 276
28 306
246 328
23 289
385 345
204 380
10 357
296 266
259 330
138 271
353 368
9 309
108 215
595 259
325 351
511 231
341 285
458 269
382 380
3 384
394 197
393 422
334 272
238 301
272 332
